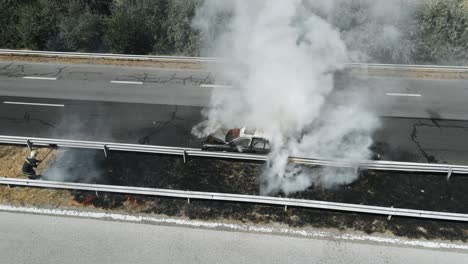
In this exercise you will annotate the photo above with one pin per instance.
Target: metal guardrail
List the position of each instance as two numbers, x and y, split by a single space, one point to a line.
109 56
406 67
447 169
210 59
286 202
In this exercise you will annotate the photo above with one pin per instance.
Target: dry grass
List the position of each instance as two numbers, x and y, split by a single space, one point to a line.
11 162
115 62
13 157
35 197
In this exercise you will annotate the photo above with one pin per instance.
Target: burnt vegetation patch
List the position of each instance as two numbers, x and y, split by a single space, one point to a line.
423 191
265 214
402 190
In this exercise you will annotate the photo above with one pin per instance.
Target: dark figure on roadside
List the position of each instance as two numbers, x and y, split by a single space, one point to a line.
29 164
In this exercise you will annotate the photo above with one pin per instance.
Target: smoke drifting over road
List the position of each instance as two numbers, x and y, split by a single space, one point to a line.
284 54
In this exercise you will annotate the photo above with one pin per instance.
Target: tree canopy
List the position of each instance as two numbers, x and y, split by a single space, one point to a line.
436 33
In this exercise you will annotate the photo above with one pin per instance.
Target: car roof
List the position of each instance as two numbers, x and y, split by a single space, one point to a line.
229 135
252 133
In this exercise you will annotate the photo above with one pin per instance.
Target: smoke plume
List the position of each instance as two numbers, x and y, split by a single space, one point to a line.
73 165
284 55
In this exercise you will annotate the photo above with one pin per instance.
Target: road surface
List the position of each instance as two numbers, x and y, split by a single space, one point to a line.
396 97
26 238
422 120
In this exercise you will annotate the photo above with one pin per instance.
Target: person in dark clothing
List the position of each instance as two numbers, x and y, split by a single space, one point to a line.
29 164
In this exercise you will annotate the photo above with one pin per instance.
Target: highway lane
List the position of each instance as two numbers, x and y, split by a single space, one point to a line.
408 97
26 238
105 83
401 139
160 106
168 125
387 96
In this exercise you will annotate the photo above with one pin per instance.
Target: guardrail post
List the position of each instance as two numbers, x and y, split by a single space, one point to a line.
185 156
96 190
286 208
390 216
106 151
188 200
30 144
449 174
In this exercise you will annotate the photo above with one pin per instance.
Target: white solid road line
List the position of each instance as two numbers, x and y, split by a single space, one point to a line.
215 86
403 94
126 82
37 104
40 78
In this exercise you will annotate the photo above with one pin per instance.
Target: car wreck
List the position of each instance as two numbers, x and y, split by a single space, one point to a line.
248 140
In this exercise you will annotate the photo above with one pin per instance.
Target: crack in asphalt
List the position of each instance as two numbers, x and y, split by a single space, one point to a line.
436 123
26 119
85 73
414 136
6 67
172 78
60 70
54 73
162 124
18 71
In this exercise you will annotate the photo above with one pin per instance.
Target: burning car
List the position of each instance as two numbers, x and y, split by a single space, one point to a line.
249 140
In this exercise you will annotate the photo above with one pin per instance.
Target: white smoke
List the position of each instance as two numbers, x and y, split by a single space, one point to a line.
373 30
283 58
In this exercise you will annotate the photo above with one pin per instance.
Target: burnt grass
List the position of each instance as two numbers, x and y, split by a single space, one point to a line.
401 190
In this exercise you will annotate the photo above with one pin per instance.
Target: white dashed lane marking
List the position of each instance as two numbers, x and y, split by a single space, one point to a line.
36 104
215 86
403 94
126 82
40 78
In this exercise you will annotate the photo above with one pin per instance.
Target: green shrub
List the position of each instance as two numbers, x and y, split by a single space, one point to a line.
441 32
436 32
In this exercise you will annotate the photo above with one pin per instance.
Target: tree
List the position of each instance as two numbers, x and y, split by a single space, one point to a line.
134 26
8 20
37 25
81 29
181 37
442 32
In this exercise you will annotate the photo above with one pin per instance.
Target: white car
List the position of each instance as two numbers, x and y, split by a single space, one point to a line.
244 139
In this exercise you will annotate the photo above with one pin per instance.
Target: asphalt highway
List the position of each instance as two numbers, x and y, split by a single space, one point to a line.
48 239
395 97
422 120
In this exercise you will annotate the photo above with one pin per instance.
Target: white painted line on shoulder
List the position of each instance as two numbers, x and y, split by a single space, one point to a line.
215 86
235 227
403 94
126 82
37 104
40 78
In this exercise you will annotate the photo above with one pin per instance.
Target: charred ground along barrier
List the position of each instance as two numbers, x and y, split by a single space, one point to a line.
107 147
226 197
